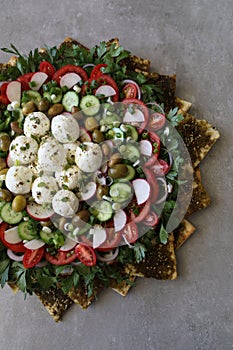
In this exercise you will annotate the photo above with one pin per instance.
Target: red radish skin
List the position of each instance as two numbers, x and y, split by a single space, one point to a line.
13 91
38 213
105 90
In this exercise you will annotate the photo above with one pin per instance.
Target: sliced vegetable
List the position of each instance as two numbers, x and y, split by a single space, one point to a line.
69 80
38 80
142 190
99 235
9 215
105 91
70 68
60 258
119 219
47 68
38 212
11 235
85 254
130 232
32 257
90 105
26 230
89 191
34 244
18 247
13 91
70 99
68 245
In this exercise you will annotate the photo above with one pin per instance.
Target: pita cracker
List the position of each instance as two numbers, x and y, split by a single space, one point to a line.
55 302
199 137
183 106
122 287
182 233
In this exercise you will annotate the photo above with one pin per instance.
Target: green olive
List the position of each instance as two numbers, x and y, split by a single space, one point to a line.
118 171
105 149
43 105
2 163
56 109
19 203
5 195
5 142
101 191
97 136
28 108
4 171
81 217
114 159
91 123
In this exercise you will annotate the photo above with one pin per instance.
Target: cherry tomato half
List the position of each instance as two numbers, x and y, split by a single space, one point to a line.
156 121
103 79
32 257
47 68
61 258
70 68
3 97
151 219
141 126
130 232
143 212
85 254
18 247
96 71
150 176
160 167
25 80
130 90
113 239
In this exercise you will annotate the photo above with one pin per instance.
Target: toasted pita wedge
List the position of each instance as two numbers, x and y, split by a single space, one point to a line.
182 233
159 263
183 106
200 198
80 294
122 287
55 302
199 137
13 287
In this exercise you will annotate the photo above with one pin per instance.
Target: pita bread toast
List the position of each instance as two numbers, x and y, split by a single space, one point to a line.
159 262
122 287
200 198
183 106
199 137
182 233
55 302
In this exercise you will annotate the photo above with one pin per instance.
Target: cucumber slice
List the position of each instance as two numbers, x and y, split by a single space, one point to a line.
130 131
120 192
130 176
45 236
130 152
26 230
102 210
111 120
31 95
70 99
90 105
56 94
2 204
9 215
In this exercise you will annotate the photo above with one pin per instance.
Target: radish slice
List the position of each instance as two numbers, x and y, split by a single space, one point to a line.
99 235
13 91
85 136
129 81
105 90
38 212
34 244
107 256
69 80
68 245
11 235
142 190
135 117
13 256
145 148
9 161
38 80
119 219
89 191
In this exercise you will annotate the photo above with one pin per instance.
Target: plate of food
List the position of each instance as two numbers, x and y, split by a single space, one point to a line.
99 172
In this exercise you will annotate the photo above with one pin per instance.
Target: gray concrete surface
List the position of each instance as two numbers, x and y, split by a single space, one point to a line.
193 39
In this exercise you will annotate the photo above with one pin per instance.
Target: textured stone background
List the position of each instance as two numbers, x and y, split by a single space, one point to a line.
193 39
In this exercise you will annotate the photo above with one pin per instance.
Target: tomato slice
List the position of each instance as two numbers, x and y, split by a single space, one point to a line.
151 219
130 232
3 97
130 90
69 68
25 80
32 257
156 121
85 254
153 184
141 126
156 146
103 79
61 258
113 240
143 212
96 71
160 167
47 68
18 247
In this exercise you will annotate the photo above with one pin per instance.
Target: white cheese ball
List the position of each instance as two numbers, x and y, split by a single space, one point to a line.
65 203
69 178
36 124
19 179
88 157
51 155
37 170
23 150
43 189
70 151
65 128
